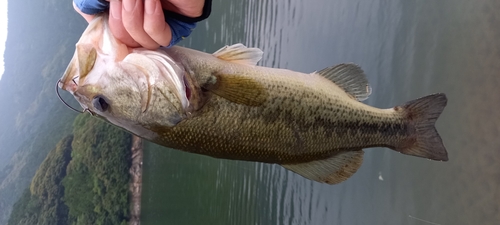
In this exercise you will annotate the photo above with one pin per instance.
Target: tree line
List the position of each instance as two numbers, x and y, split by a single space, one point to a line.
84 180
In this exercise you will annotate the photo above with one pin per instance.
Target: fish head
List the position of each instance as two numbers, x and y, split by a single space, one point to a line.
136 89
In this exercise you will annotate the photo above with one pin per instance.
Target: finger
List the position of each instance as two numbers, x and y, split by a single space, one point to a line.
190 8
154 23
116 24
87 17
133 19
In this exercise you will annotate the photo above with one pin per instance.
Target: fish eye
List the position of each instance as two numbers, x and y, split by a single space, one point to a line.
100 103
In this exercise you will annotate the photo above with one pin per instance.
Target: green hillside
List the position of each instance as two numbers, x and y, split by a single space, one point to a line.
84 180
42 202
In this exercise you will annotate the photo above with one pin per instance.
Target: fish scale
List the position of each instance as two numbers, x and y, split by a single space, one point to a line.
295 137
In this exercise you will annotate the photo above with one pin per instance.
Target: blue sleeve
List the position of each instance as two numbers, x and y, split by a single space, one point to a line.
92 7
180 30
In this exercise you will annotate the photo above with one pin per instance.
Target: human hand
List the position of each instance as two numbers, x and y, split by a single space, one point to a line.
143 22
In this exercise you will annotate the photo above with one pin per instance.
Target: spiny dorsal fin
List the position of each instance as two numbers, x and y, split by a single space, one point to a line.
332 170
239 53
349 77
238 89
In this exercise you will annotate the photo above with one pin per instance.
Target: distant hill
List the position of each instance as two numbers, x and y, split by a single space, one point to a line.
39 45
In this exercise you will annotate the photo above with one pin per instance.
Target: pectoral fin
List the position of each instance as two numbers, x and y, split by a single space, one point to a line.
332 170
240 90
86 55
350 77
239 53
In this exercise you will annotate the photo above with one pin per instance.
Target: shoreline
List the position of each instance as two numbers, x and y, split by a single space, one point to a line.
135 185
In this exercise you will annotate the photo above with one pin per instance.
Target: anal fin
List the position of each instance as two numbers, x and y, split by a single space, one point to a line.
332 170
350 77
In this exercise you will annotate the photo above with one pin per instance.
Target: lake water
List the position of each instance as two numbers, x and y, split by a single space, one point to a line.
408 49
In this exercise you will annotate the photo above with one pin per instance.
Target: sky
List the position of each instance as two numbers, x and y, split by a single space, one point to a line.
3 33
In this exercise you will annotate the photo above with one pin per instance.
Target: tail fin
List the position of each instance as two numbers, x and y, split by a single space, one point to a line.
424 112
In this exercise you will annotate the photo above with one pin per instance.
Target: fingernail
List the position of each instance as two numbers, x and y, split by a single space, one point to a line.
128 5
150 6
115 9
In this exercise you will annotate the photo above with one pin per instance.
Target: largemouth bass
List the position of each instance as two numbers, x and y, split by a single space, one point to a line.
223 105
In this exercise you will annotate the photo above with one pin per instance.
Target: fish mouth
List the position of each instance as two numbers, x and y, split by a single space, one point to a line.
79 97
61 85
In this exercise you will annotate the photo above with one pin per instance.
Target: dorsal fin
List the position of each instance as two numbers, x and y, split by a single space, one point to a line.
332 170
349 77
239 53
